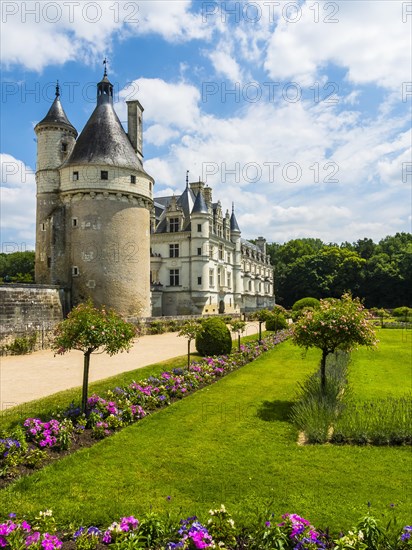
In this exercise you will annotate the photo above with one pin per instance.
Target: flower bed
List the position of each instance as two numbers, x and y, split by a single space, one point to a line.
219 531
37 441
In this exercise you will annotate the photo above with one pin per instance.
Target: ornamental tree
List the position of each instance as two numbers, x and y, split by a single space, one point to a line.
237 326
190 330
337 324
89 329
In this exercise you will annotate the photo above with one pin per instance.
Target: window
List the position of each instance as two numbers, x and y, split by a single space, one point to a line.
104 175
199 227
174 225
219 277
199 251
75 176
43 227
229 279
229 257
250 285
75 271
199 280
174 277
211 278
211 251
173 250
132 179
64 147
74 222
221 252
49 262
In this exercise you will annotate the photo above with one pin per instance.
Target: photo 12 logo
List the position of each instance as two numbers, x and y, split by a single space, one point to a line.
70 12
272 11
269 172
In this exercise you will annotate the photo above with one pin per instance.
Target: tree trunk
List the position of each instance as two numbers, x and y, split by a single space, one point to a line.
86 364
323 370
238 340
188 353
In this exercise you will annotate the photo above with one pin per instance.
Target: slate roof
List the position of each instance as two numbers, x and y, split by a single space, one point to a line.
104 141
56 115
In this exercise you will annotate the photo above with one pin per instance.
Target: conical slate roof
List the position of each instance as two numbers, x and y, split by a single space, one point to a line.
186 202
200 206
233 222
56 115
104 141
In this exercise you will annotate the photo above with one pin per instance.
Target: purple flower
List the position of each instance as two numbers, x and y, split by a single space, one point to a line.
107 538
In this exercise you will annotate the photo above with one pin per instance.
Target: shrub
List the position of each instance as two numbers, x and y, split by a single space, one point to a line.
403 312
214 338
157 327
23 345
305 303
276 322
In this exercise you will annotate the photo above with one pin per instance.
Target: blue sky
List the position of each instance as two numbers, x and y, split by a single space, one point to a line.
300 112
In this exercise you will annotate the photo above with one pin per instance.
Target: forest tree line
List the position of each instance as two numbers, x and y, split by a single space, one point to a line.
380 274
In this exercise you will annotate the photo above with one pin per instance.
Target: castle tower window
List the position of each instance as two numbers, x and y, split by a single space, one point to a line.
173 250
75 176
199 280
64 147
132 179
199 227
174 277
49 262
221 252
174 225
75 271
199 251
104 175
43 227
74 222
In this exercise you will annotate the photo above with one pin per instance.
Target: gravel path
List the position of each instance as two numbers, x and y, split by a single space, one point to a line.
27 377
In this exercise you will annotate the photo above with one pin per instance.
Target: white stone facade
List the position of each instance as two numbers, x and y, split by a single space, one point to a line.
200 264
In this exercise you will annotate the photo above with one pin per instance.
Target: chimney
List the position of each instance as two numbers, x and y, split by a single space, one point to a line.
261 244
207 193
135 125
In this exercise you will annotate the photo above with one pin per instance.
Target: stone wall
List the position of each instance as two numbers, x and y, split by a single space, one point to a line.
29 309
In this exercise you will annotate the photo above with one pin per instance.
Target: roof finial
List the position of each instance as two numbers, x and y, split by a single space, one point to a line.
187 178
57 89
233 207
105 66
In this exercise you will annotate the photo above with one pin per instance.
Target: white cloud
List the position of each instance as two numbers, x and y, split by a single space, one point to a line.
86 30
18 201
224 62
369 40
166 104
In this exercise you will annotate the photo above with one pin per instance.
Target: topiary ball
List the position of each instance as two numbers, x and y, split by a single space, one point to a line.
276 322
214 338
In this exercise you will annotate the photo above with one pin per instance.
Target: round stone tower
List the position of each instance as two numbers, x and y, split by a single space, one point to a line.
55 141
108 199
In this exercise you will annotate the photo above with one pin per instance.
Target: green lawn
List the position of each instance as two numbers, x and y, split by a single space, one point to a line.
231 443
386 370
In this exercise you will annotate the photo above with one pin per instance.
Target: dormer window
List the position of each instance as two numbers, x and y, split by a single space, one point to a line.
174 225
104 175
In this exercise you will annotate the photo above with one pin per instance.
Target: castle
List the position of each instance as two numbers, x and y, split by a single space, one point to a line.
101 234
